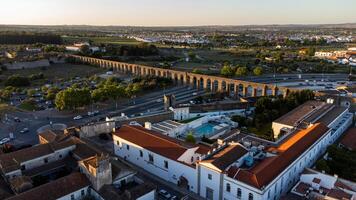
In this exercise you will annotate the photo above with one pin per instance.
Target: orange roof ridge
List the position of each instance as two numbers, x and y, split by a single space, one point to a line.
296 137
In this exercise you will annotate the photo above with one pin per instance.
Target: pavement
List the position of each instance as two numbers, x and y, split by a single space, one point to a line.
151 102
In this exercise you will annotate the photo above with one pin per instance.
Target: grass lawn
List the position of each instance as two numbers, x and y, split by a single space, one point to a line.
264 132
28 106
55 72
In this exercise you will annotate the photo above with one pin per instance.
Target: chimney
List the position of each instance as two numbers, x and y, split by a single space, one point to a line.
148 125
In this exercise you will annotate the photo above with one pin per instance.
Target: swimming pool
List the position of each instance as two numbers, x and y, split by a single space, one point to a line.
205 129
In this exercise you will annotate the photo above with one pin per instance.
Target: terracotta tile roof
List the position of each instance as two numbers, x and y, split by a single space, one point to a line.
203 149
316 180
349 139
330 116
339 194
297 114
226 156
83 151
342 185
11 161
264 172
302 188
55 189
152 141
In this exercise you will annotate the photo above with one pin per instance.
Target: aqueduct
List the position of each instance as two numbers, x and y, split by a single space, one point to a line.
199 81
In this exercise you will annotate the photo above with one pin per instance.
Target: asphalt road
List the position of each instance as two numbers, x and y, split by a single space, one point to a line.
269 78
34 120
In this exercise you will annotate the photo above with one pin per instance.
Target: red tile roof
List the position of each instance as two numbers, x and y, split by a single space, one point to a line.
55 189
349 139
316 180
297 114
227 156
264 172
153 141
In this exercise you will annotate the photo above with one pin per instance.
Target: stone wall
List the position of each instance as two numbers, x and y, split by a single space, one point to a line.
96 129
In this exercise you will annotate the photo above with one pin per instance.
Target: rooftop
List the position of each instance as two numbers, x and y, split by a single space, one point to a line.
153 141
349 139
11 161
265 171
297 114
226 156
55 189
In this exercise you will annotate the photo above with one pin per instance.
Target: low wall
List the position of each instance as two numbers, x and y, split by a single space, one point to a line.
96 129
149 118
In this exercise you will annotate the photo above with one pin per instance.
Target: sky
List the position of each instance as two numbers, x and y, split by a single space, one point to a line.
176 12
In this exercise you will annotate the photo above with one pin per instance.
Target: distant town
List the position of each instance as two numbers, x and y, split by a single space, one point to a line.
168 113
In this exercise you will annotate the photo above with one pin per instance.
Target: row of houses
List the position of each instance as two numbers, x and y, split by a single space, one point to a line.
232 170
64 167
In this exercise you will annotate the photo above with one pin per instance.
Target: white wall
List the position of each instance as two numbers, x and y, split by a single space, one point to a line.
77 194
149 196
172 174
214 183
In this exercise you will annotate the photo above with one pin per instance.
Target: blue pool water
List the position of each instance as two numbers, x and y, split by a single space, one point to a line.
205 129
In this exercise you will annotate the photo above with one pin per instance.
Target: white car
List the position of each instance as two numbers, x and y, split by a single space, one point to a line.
5 140
78 117
24 130
194 93
164 193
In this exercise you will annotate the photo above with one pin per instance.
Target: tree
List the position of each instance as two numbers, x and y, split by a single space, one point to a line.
31 92
85 49
191 55
227 70
197 71
190 138
17 81
241 71
51 93
258 71
322 165
72 98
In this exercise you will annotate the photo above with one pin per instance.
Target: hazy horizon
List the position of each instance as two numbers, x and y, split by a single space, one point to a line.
158 13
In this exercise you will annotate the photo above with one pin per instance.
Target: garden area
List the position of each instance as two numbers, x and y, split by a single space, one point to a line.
269 109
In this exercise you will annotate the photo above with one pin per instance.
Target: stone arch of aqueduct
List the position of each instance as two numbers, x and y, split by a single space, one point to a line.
207 82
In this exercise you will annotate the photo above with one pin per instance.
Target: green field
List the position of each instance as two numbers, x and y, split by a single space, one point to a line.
55 72
101 40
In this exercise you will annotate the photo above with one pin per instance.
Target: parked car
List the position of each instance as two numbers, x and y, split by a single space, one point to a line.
164 194
78 117
24 130
16 119
5 140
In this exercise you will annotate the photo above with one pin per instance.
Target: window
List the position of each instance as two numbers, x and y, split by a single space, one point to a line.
118 143
82 192
127 147
60 155
166 164
228 187
269 194
209 193
250 196
23 167
72 196
150 158
45 160
209 176
238 193
141 153
191 159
